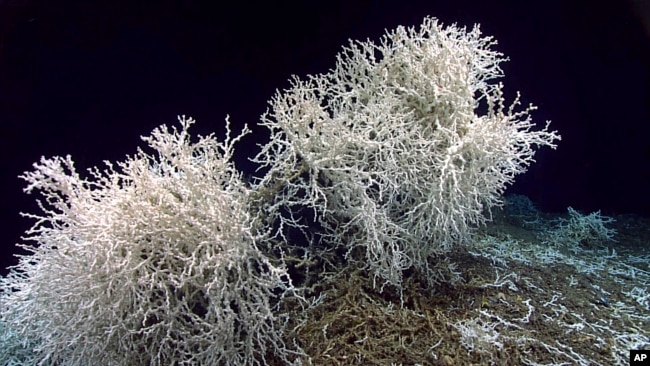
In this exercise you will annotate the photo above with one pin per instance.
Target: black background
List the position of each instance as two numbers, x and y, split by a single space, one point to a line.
89 78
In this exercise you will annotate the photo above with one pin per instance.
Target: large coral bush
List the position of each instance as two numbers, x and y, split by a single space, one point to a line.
403 147
150 262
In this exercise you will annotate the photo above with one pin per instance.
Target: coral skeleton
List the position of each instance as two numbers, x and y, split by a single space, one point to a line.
170 257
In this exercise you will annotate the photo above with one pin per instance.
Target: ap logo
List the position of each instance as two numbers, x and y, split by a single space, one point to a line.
639 357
